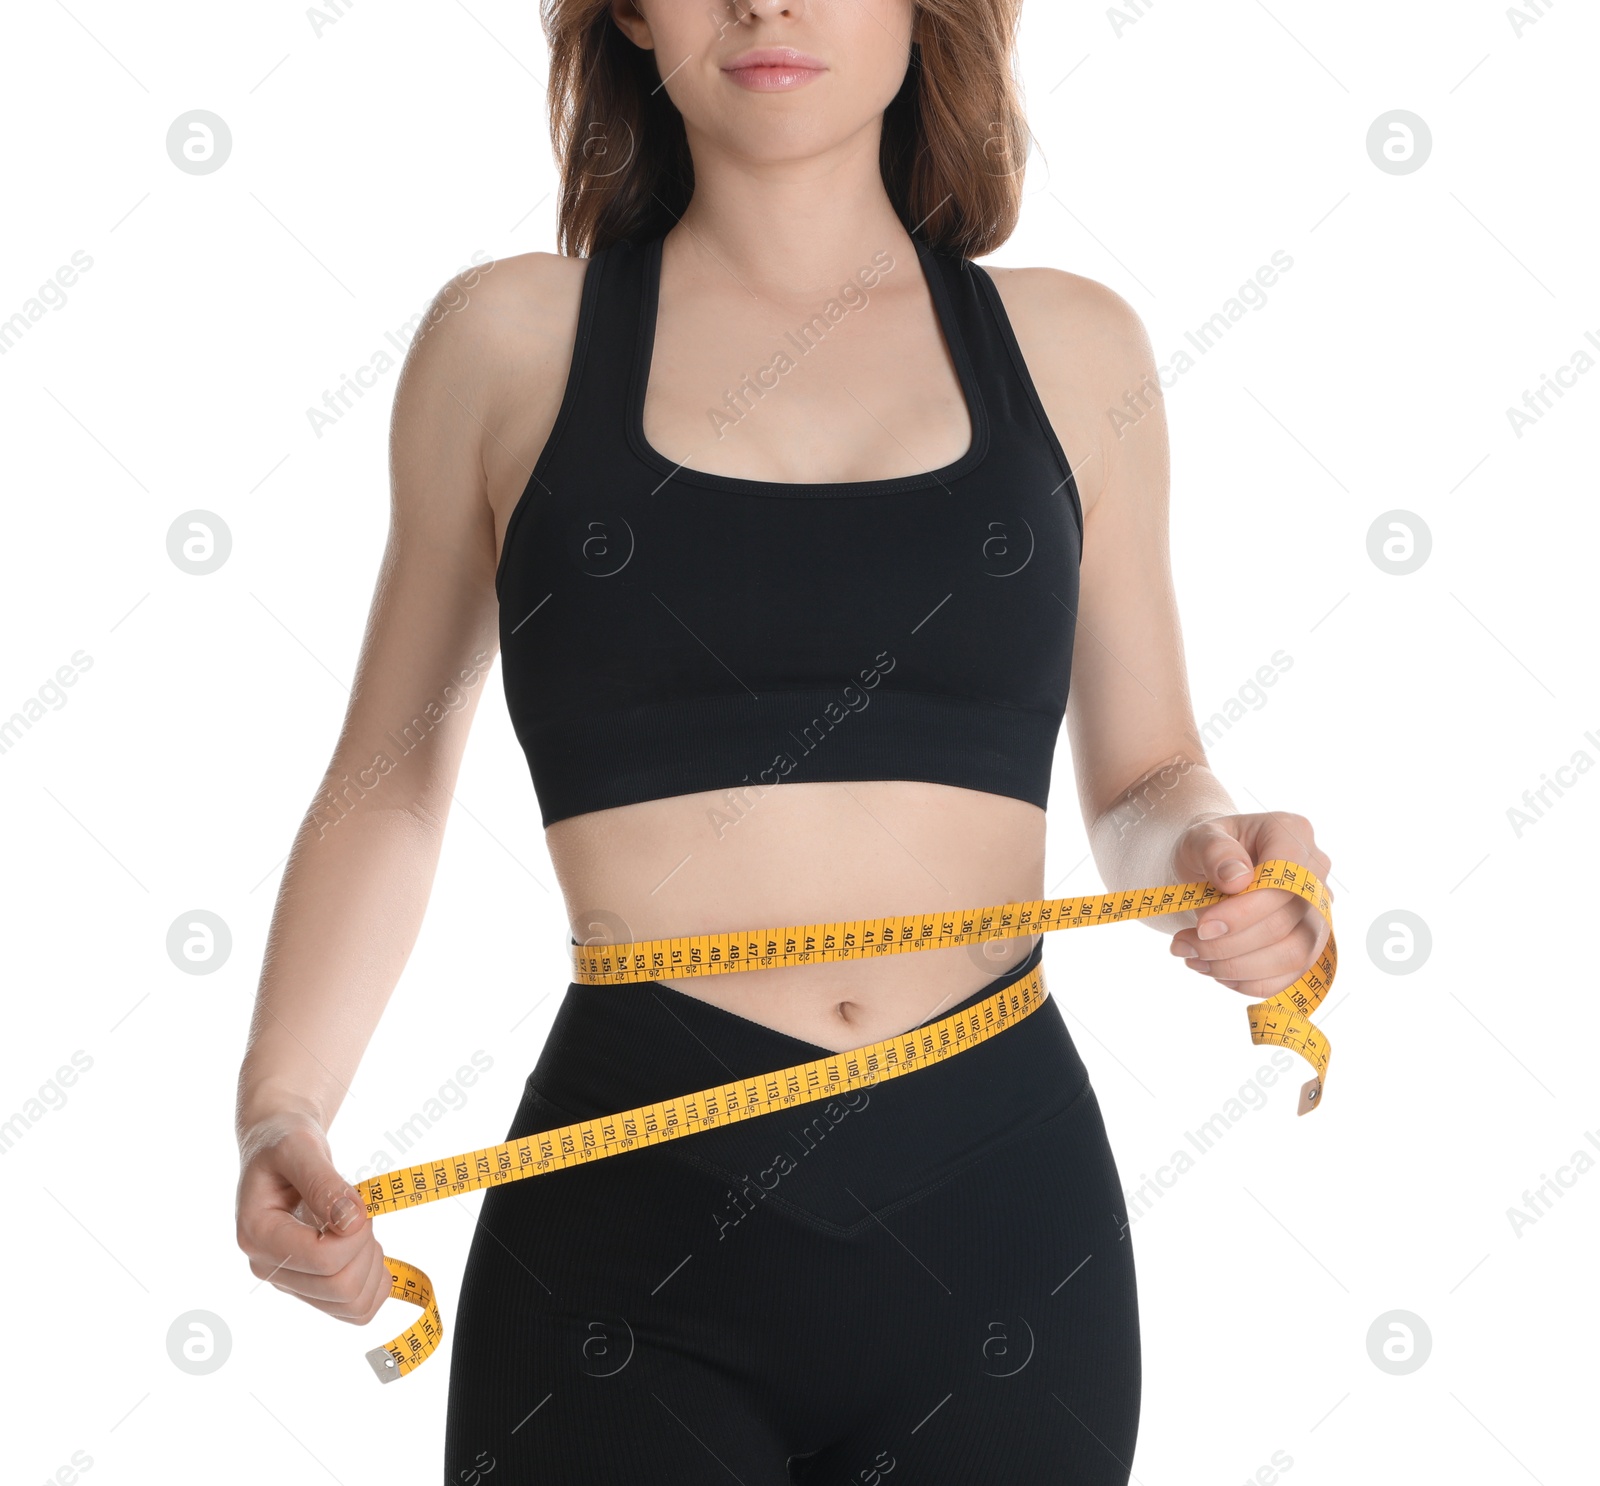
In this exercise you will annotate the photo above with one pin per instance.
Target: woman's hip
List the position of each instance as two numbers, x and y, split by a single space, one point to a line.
613 1048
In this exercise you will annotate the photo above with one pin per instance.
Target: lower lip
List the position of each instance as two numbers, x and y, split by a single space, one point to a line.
772 79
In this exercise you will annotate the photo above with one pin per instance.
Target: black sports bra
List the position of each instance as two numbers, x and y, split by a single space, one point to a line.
666 631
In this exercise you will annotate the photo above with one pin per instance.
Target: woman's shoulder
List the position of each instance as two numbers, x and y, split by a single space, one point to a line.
1087 352
1066 301
534 273
501 333
508 303
490 355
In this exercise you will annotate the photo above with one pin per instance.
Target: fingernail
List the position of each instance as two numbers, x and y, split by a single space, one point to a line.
1211 929
1231 869
343 1214
1180 948
1203 966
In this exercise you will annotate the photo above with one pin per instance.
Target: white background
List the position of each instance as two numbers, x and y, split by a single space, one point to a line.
369 163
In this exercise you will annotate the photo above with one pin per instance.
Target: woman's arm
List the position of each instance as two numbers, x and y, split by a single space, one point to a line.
362 864
1155 812
363 860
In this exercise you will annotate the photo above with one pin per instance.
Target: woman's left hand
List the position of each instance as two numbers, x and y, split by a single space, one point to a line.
1266 940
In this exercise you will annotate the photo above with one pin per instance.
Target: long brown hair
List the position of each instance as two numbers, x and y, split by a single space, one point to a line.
953 148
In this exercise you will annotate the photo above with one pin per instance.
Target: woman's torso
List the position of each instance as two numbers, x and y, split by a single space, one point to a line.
953 438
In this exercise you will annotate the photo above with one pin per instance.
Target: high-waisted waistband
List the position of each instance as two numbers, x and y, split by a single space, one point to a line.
612 1048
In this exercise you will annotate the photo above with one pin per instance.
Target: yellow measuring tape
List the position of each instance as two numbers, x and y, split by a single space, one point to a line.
1284 1019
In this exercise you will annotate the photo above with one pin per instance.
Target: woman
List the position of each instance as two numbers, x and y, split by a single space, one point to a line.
766 501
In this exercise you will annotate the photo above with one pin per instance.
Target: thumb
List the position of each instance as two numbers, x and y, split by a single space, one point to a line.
1214 852
328 1200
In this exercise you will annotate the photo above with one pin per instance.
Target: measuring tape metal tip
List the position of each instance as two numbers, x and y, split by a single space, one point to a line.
1309 1094
384 1364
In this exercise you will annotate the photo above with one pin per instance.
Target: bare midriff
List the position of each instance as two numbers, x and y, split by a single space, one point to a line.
797 853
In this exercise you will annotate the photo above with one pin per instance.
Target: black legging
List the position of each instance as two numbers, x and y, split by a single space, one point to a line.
921 1283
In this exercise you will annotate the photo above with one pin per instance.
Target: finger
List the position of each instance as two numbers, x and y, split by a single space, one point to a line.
358 1300
1292 948
1265 972
361 1305
1277 835
267 1227
1247 921
379 1288
330 1201
343 1285
1211 851
1289 837
1286 956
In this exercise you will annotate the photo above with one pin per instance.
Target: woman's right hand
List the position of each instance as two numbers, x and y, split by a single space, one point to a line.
303 1226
